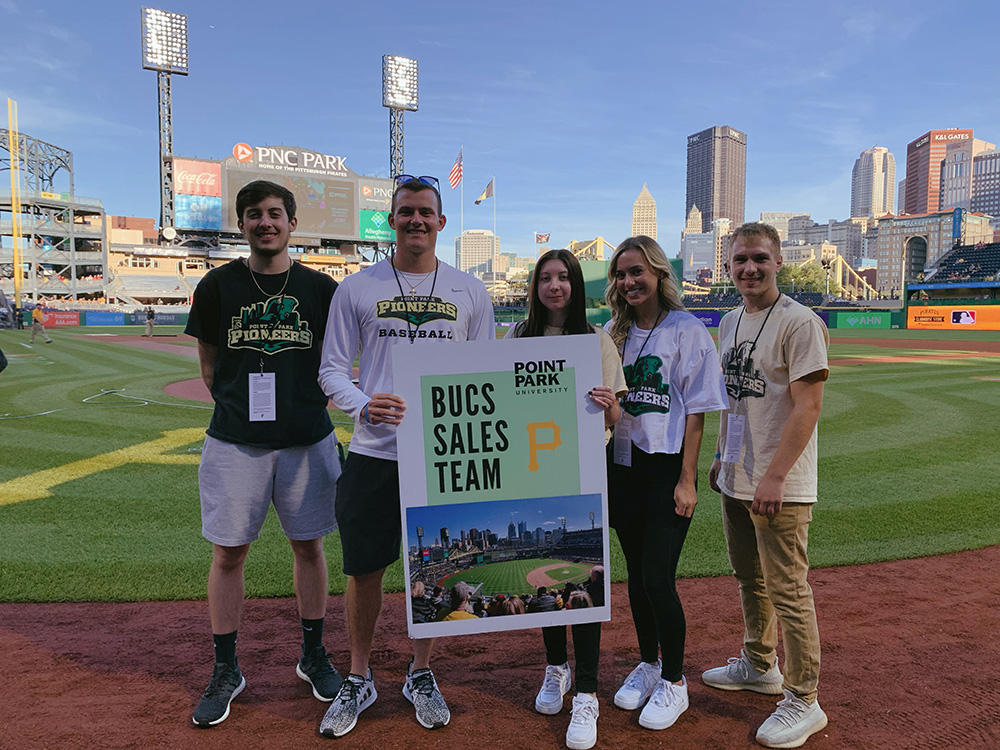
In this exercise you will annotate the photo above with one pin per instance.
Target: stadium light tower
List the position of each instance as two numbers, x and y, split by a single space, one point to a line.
399 94
165 50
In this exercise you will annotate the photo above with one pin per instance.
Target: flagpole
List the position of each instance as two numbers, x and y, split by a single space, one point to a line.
461 216
494 181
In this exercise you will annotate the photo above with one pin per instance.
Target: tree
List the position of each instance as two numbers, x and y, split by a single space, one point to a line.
806 277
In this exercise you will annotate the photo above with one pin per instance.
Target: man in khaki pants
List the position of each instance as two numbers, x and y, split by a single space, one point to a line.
774 360
38 323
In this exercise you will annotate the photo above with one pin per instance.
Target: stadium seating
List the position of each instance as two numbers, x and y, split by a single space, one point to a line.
968 263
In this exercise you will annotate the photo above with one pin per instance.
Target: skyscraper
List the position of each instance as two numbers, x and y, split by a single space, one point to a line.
923 168
476 250
956 172
717 175
644 214
873 183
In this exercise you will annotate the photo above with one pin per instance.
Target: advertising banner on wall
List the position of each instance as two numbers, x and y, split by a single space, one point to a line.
954 317
861 320
505 489
710 318
198 212
59 319
374 226
193 177
103 318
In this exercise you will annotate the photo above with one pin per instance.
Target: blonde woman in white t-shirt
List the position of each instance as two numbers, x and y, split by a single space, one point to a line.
674 378
557 306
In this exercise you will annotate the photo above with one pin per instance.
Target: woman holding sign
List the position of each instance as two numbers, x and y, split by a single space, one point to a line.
557 306
674 377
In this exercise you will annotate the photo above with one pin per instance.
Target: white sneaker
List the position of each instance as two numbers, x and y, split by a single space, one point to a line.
792 723
582 731
667 703
740 674
558 679
638 686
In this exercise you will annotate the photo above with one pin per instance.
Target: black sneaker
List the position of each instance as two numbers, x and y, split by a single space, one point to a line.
227 682
314 667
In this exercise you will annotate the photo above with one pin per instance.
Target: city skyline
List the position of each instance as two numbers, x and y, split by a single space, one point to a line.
495 515
562 131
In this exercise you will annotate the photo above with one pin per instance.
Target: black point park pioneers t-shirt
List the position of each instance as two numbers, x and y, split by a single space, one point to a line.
284 331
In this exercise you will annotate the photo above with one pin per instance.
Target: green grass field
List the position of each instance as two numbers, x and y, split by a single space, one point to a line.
511 577
99 493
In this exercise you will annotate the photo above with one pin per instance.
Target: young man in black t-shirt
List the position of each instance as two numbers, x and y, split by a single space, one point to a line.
260 322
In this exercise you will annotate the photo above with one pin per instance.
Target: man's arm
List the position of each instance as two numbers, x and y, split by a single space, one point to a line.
807 401
207 354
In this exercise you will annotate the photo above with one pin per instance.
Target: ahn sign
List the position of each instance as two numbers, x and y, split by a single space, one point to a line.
863 320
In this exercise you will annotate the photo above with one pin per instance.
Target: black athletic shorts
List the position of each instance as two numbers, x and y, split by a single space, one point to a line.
367 509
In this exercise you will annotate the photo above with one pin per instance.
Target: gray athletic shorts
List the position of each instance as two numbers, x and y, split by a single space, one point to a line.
239 482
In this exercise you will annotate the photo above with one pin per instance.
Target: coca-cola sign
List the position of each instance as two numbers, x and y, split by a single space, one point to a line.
197 177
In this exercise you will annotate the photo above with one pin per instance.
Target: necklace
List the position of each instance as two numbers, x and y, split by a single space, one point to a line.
414 285
410 333
736 342
281 292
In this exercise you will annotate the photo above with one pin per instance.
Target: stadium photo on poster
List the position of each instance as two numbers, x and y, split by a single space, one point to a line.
504 498
506 557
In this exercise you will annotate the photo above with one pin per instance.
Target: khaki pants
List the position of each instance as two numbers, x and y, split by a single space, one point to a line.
149 328
770 561
38 328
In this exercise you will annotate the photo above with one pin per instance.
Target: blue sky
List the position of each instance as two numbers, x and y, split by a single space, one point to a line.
572 105
495 515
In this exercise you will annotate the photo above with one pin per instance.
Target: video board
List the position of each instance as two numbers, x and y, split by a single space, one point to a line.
332 200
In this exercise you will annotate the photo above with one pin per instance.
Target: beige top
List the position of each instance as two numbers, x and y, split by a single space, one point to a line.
792 344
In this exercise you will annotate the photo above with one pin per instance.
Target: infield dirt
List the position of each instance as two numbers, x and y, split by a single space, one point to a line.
910 659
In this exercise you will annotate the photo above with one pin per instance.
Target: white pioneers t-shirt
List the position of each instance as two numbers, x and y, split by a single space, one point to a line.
792 344
367 308
678 374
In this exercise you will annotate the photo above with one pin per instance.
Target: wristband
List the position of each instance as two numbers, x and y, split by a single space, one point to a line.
718 455
364 414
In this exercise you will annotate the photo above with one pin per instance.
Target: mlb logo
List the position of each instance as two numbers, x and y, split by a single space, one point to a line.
963 317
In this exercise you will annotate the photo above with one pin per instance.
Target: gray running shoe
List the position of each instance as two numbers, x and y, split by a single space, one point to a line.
355 695
740 674
227 682
421 689
792 723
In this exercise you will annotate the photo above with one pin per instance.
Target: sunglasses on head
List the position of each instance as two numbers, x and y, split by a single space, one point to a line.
425 179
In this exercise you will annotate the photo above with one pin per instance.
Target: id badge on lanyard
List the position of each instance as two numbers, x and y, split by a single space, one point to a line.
623 441
735 425
262 397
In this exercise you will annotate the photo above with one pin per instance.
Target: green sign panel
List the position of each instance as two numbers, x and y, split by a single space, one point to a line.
863 320
497 435
374 226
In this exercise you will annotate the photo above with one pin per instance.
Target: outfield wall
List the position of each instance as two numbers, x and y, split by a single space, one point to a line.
954 317
67 319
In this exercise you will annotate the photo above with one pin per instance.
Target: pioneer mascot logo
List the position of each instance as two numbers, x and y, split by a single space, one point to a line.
270 327
647 394
742 378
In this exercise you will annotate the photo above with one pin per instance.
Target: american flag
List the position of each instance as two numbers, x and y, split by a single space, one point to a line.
455 175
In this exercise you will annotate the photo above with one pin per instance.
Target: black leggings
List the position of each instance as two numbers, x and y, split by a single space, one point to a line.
641 507
586 647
